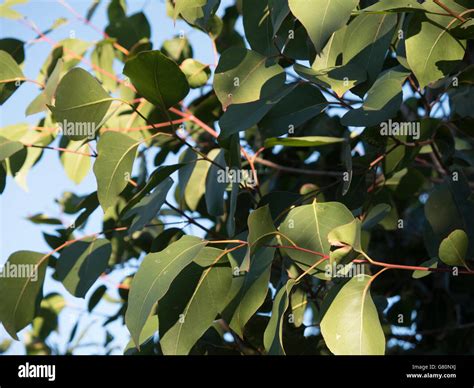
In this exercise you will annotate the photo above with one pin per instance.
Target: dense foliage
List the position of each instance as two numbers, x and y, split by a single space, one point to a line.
325 162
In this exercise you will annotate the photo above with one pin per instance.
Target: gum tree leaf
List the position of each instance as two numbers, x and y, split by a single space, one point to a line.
382 102
279 10
113 166
9 70
157 78
432 52
453 249
196 72
375 215
252 289
41 102
145 210
154 277
432 263
182 5
273 336
9 148
258 26
81 264
23 289
374 34
244 76
322 18
76 166
129 30
82 103
346 235
351 325
306 141
240 117
207 301
301 104
216 185
308 227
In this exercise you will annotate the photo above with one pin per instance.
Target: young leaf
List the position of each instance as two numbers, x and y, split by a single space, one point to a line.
351 325
113 166
154 278
21 284
81 264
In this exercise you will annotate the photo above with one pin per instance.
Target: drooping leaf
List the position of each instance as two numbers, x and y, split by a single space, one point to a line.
206 302
76 165
9 148
273 336
22 280
216 185
154 278
113 167
145 210
351 325
81 264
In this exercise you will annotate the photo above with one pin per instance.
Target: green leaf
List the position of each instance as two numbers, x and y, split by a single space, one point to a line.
216 185
113 166
375 215
153 279
244 76
273 336
252 289
308 227
297 107
149 329
129 30
81 104
346 235
240 117
351 325
339 78
7 12
206 302
298 302
374 34
258 26
279 10
41 102
196 72
196 186
453 249
145 210
157 78
182 5
9 70
9 148
322 20
77 166
306 141
382 102
81 264
22 280
432 52
431 263
178 49
103 58
395 5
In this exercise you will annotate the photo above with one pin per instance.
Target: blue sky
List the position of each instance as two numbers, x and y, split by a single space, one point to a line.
47 180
